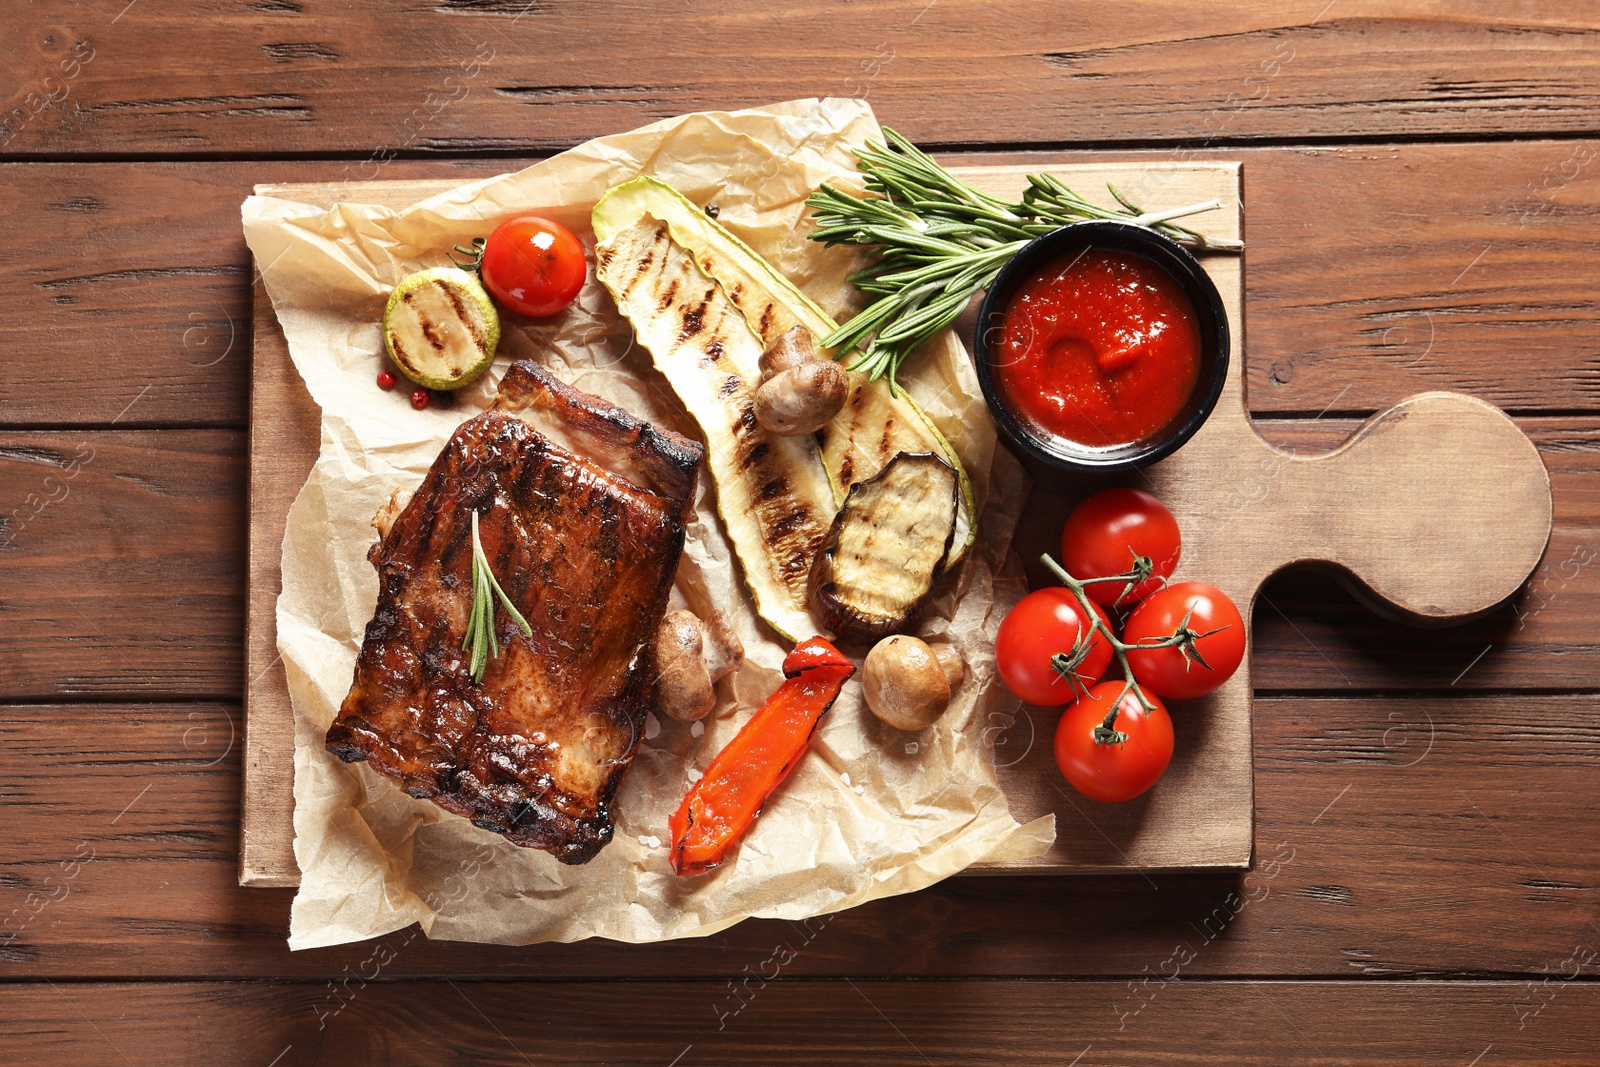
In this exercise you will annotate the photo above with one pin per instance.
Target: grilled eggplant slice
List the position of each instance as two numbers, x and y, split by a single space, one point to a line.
886 546
772 491
875 423
441 328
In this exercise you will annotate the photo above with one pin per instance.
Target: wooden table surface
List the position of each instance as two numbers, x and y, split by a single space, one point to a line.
1423 201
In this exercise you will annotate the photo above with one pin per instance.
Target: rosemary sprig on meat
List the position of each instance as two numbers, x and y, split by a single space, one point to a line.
938 241
480 643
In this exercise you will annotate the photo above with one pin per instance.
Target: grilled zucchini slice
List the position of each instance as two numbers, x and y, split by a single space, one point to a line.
440 328
772 492
886 546
875 424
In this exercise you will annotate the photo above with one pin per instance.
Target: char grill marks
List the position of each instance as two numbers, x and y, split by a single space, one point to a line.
587 549
710 332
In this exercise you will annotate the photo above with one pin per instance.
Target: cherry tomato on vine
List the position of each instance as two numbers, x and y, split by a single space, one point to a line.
1120 771
533 266
1105 532
1166 671
1043 623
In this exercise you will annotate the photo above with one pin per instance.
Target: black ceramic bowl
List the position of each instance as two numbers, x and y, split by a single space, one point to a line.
1211 319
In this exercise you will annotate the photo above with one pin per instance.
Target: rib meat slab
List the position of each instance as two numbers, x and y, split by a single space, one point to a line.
581 510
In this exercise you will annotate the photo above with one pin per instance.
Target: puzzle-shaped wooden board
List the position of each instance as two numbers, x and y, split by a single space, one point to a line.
1439 507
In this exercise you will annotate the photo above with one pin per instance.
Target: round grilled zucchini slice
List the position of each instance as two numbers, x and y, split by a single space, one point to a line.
440 328
887 545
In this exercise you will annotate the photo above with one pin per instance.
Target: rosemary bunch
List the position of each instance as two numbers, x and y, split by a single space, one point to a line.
938 241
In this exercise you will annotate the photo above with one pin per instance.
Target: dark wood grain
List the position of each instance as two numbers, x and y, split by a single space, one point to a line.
1372 273
802 1022
1461 270
1424 213
1387 829
120 563
129 285
530 75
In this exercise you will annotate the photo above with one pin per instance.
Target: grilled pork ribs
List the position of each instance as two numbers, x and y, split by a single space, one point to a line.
581 510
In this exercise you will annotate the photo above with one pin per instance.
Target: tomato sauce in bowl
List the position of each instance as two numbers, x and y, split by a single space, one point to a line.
1101 347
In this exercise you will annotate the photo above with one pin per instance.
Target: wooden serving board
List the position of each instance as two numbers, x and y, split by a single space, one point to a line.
1439 508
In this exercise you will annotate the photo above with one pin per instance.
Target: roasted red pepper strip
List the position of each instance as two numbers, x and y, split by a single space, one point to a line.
721 806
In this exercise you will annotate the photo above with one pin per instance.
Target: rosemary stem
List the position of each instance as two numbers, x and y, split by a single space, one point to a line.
1150 218
481 643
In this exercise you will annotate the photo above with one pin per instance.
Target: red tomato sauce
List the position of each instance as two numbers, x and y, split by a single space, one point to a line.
1101 348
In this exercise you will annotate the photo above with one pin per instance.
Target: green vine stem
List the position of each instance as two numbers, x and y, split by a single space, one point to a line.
473 261
1066 663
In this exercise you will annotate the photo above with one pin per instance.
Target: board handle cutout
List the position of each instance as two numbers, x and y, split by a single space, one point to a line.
1440 507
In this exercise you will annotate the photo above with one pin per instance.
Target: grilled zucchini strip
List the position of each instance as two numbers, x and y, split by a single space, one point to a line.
772 492
875 424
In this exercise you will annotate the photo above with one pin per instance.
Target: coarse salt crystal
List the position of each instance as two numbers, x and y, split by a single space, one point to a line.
695 774
845 777
860 789
912 748
652 726
697 729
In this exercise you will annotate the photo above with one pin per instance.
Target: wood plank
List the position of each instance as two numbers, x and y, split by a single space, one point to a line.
109 551
1395 837
129 285
532 76
1341 311
120 569
803 1022
1406 287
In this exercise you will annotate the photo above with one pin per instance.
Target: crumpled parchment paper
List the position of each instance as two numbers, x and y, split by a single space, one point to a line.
869 812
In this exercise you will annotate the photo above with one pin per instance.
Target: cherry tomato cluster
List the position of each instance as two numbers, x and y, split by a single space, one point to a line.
1177 641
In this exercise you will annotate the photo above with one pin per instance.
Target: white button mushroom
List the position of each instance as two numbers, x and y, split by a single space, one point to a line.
908 684
799 393
689 656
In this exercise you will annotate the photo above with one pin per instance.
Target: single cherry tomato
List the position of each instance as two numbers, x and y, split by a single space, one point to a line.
1121 770
1104 534
533 266
1042 624
1168 672
386 379
420 398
